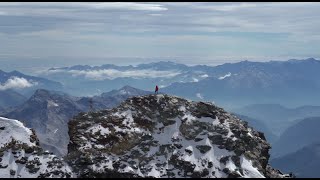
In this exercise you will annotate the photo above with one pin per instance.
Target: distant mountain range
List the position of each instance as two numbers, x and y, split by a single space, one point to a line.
304 163
290 83
25 84
48 113
88 80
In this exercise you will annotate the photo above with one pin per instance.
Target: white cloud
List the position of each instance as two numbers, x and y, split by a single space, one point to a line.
17 83
204 76
155 14
199 95
128 6
223 77
96 5
195 80
113 73
228 7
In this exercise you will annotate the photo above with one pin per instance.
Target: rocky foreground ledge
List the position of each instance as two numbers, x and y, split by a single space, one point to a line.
22 157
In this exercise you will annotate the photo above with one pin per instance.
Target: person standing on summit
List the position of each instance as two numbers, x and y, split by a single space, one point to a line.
156 90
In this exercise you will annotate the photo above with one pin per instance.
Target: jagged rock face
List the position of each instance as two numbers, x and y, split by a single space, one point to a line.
166 136
48 114
22 157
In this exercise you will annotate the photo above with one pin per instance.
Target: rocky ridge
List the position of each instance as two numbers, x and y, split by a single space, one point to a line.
166 136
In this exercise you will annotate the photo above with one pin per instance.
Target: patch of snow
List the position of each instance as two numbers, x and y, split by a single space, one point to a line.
204 76
199 95
154 172
87 145
189 118
210 120
189 148
128 121
174 100
248 170
249 132
230 165
139 172
14 129
159 96
122 91
127 130
226 123
223 77
127 169
98 128
195 80
175 135
182 108
216 121
52 104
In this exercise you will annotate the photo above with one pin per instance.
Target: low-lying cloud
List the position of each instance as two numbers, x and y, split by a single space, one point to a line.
225 76
113 73
17 83
199 95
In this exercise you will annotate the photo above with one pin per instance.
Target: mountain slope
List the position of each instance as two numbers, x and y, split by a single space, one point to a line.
10 98
48 113
304 163
303 133
166 136
21 156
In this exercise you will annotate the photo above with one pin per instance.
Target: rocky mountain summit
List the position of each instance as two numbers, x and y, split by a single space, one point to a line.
21 155
166 136
48 113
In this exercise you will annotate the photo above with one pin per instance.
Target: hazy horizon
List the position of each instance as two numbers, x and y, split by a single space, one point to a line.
44 34
33 66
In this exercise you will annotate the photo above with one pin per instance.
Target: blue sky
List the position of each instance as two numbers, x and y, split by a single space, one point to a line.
191 33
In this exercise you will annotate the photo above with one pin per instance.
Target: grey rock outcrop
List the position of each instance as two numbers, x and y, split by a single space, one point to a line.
166 136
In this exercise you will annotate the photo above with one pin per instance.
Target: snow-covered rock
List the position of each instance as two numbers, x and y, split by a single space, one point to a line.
166 136
22 157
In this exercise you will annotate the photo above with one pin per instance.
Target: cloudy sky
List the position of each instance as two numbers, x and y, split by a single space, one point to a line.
65 33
